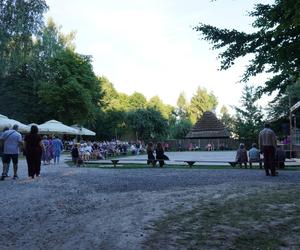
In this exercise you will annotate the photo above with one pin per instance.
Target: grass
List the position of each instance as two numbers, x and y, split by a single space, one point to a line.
125 165
265 219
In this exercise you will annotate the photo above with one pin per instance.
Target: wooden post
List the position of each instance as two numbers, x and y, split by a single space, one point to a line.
291 126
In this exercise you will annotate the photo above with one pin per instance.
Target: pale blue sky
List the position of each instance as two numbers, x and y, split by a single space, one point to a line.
149 46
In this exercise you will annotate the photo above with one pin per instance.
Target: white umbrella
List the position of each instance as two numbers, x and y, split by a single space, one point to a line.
56 127
83 131
22 127
6 122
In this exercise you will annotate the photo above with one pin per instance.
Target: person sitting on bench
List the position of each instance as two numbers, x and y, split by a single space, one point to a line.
254 156
241 156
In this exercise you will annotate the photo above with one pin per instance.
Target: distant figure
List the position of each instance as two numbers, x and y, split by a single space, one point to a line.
160 154
209 147
1 154
57 148
33 147
267 145
254 156
45 154
12 142
75 154
280 157
150 154
241 156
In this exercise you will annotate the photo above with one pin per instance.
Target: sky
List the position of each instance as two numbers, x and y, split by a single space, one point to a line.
149 46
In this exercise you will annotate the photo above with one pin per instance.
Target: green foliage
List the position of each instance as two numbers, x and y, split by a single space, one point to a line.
183 105
156 103
137 101
148 124
19 20
280 106
179 129
201 101
72 89
227 119
249 116
274 46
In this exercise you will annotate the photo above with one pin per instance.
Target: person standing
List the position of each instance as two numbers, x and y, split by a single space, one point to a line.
57 148
267 145
160 154
151 157
45 154
33 147
1 153
12 142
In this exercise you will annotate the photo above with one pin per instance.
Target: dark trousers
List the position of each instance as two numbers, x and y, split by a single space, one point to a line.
269 159
34 164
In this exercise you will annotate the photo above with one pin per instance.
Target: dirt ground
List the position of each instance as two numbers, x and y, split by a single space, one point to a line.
80 208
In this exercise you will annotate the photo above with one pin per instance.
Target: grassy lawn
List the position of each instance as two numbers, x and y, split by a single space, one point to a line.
125 165
258 218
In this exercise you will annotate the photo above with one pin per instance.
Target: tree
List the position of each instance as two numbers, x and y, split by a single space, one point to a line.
182 106
19 21
72 89
227 119
249 116
137 101
180 128
274 46
166 110
148 124
201 101
280 106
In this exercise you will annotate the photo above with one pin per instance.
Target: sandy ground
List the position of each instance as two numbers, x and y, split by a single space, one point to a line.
80 208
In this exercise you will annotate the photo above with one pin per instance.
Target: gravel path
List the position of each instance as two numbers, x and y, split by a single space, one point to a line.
79 208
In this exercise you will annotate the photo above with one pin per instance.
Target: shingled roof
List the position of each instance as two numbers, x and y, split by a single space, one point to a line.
208 126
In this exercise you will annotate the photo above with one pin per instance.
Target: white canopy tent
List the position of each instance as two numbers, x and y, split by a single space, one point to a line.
83 131
56 127
6 122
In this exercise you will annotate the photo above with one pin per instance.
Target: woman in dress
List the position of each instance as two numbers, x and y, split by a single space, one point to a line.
33 147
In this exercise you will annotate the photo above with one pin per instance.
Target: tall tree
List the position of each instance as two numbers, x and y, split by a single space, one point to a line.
73 88
274 45
137 101
166 110
227 119
182 106
249 116
201 101
19 21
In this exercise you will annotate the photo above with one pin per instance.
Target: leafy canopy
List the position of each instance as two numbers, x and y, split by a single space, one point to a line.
275 45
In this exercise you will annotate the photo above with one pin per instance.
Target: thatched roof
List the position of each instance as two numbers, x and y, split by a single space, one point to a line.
208 126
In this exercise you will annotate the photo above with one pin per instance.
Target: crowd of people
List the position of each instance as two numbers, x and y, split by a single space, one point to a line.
35 148
85 151
44 149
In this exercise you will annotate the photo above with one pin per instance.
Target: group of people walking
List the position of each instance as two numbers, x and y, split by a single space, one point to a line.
33 148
